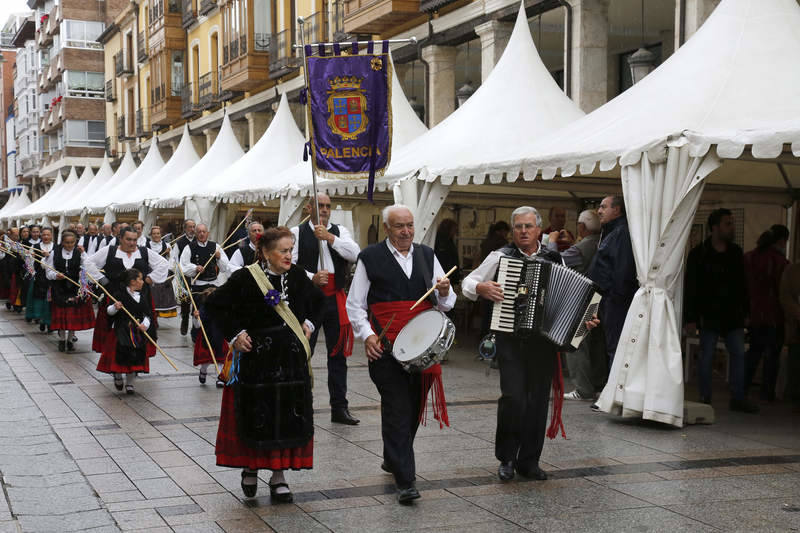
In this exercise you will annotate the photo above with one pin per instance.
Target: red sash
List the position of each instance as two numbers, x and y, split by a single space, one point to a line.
345 340
432 377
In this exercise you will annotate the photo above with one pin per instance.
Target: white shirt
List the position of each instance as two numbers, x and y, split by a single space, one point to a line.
344 245
103 244
156 247
485 272
190 269
237 260
67 255
158 265
93 241
112 310
357 308
175 251
141 241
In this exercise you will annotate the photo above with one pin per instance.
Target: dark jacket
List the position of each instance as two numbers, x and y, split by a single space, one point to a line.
715 292
613 268
447 254
764 269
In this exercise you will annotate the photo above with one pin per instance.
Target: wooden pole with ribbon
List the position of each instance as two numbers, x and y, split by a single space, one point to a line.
249 212
202 327
64 276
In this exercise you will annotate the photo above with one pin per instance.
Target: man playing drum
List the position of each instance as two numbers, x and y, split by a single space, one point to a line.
390 276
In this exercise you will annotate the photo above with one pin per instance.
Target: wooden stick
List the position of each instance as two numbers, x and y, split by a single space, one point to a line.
134 321
176 238
202 327
386 328
305 219
96 297
432 288
249 211
234 243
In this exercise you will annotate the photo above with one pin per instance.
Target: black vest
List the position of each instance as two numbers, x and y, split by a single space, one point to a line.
388 281
115 269
182 242
63 289
248 254
308 254
201 254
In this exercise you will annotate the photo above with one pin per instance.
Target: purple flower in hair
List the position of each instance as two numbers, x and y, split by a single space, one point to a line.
272 297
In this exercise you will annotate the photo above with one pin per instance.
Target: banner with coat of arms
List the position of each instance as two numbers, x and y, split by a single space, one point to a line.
349 110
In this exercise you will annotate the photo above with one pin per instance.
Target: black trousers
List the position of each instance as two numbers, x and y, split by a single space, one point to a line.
401 394
337 364
526 373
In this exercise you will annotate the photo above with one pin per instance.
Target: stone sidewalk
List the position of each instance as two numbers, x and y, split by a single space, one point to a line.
76 455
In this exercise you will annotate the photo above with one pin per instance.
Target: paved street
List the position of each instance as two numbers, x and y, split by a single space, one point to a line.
76 455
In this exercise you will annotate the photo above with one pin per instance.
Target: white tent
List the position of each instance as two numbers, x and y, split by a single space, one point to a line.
280 147
65 191
184 158
150 166
21 202
9 205
224 152
98 202
34 208
90 184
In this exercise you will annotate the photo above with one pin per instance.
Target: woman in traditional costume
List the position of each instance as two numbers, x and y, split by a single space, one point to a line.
125 351
163 293
38 299
71 309
267 311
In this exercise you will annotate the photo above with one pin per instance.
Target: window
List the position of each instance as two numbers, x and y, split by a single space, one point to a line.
85 133
84 84
82 34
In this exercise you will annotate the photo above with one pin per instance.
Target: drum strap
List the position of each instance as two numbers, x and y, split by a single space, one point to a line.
283 311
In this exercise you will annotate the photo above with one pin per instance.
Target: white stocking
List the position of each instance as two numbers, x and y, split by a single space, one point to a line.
277 477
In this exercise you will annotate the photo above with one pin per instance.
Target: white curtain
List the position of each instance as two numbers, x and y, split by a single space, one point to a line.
148 216
291 210
109 216
661 192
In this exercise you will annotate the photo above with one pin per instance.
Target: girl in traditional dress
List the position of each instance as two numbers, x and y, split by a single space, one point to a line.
38 299
126 350
202 356
163 293
71 312
268 311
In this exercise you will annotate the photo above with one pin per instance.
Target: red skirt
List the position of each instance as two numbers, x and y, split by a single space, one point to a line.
108 363
72 318
201 354
233 453
4 293
102 329
13 289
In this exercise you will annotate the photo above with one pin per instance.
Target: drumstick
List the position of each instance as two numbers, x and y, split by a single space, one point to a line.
432 288
134 320
386 328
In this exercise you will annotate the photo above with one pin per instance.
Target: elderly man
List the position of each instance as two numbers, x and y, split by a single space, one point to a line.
527 364
326 251
203 260
390 276
187 238
107 238
245 253
90 241
587 365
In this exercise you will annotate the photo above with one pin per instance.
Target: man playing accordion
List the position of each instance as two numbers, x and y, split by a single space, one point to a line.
527 363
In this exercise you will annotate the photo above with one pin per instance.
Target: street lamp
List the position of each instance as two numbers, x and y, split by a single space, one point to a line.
643 61
463 94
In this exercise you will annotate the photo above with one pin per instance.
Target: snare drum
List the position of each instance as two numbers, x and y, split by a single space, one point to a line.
424 341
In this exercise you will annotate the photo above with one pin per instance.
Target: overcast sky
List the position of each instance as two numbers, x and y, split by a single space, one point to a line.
11 6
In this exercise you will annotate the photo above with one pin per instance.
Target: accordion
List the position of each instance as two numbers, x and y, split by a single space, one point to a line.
546 299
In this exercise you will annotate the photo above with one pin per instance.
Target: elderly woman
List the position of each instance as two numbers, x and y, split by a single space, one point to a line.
38 301
267 311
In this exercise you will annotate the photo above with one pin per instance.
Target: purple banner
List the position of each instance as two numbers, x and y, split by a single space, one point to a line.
349 109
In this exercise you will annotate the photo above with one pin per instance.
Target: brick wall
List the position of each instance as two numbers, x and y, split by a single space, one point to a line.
84 109
82 59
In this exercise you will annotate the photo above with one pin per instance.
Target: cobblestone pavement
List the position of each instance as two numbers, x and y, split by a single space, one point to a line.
76 455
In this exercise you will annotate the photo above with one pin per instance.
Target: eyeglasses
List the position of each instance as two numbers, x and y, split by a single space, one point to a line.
520 227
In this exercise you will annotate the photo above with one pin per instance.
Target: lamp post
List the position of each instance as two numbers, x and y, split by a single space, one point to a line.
463 94
643 61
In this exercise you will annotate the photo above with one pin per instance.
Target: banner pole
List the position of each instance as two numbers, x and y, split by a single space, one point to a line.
301 21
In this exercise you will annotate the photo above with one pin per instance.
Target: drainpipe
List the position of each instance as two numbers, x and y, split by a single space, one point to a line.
682 23
568 58
426 68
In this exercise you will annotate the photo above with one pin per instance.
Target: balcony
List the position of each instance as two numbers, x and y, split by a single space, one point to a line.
281 56
122 65
206 6
338 22
377 16
189 13
122 131
312 29
142 123
189 105
208 90
165 30
110 96
166 108
111 146
141 47
245 65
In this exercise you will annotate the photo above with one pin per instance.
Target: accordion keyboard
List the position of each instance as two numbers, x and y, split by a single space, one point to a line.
509 274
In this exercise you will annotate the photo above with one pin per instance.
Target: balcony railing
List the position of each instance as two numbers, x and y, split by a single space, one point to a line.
208 90
338 22
111 146
312 29
189 13
281 59
141 47
142 123
207 6
110 96
122 64
188 103
261 42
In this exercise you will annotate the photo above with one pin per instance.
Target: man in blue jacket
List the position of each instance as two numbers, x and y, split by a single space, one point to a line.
613 269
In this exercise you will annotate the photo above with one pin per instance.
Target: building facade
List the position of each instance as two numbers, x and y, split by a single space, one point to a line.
7 75
26 101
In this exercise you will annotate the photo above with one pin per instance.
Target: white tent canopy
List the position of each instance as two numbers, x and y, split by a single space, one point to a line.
98 202
150 166
184 158
51 205
90 183
9 205
33 209
21 202
279 148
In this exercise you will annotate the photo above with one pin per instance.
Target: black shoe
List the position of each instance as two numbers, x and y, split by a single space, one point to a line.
118 383
184 325
70 347
28 320
202 378
129 389
280 497
42 327
744 406
249 490
8 306
220 383
386 468
705 399
407 496
343 416
72 339
62 346
534 473
506 471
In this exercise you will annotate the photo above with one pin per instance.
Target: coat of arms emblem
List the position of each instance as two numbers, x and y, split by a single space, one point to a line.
347 107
